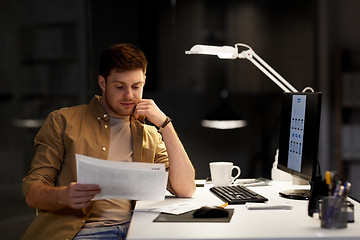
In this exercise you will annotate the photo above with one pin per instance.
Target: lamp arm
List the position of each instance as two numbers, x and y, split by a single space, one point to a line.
226 52
286 83
267 73
266 69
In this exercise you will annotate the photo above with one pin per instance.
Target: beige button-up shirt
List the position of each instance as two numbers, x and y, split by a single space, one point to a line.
82 129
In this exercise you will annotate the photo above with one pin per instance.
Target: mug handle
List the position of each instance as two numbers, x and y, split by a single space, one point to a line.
237 175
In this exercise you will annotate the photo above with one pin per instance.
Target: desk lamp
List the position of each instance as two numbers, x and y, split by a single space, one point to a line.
227 52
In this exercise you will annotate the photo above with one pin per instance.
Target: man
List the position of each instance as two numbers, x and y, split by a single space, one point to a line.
110 127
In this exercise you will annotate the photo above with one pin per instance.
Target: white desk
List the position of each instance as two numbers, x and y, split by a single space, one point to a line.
245 224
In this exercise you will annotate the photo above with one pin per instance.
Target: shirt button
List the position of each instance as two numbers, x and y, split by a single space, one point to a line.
105 126
105 115
98 118
104 148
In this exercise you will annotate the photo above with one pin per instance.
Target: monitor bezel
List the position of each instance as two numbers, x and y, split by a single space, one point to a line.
311 134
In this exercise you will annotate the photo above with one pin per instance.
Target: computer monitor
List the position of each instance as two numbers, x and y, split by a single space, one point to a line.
299 137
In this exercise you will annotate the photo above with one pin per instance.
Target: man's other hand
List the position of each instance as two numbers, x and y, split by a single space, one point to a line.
79 195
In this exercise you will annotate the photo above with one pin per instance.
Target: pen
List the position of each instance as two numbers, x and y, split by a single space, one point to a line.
328 181
347 186
341 191
337 189
223 205
328 178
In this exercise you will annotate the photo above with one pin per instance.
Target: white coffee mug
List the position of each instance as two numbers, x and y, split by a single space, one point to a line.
221 173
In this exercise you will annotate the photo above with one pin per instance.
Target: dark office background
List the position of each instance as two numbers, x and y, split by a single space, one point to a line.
48 60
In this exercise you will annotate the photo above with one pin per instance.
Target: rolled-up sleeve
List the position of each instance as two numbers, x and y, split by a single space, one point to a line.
49 153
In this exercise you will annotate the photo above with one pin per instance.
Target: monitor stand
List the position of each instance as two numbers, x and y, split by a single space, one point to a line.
298 194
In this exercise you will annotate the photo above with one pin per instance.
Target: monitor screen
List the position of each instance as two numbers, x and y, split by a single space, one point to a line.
299 136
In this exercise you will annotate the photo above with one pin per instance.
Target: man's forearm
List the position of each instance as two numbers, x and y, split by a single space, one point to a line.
181 171
45 197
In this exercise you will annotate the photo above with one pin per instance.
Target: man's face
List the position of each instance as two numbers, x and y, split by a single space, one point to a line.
122 91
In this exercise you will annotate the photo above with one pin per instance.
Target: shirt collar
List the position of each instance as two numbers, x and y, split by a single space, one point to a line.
97 109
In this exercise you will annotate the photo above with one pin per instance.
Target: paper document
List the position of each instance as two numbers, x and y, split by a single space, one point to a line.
123 180
171 206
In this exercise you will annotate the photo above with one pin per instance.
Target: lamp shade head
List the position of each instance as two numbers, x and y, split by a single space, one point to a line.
224 52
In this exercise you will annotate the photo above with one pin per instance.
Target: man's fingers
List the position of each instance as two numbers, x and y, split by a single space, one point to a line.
84 187
78 203
80 195
81 200
148 108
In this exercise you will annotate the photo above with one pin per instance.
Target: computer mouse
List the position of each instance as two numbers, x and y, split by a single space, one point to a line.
210 212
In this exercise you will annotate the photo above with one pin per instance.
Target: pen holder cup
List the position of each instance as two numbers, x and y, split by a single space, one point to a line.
333 212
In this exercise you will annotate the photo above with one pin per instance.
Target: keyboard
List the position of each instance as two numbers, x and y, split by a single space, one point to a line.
237 194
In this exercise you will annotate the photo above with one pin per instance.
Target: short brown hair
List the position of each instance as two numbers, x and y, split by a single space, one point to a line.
122 57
